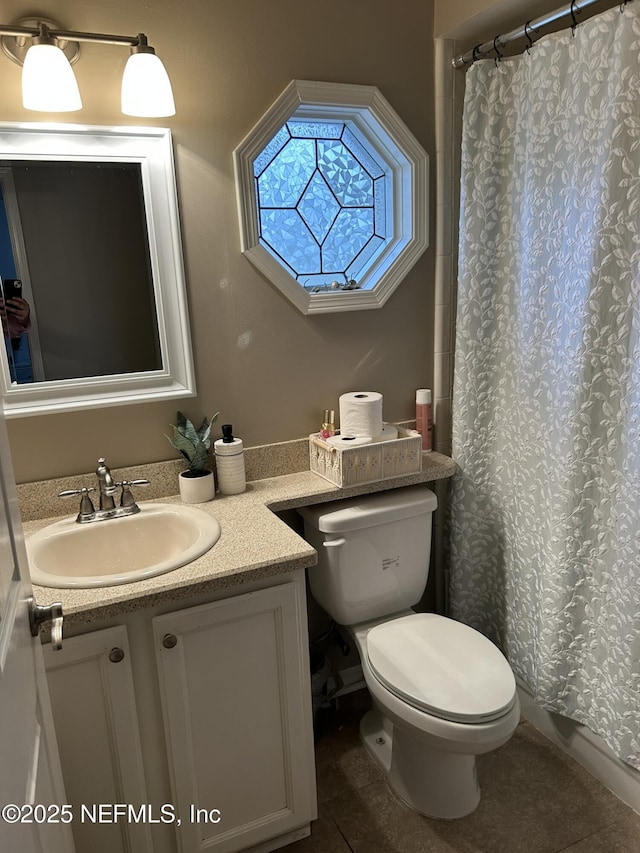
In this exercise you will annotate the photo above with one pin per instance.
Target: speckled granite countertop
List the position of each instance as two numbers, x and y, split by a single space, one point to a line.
254 543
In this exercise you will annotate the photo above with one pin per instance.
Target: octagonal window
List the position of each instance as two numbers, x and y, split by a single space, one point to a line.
332 200
321 209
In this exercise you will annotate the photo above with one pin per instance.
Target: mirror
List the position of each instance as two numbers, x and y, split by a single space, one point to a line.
90 243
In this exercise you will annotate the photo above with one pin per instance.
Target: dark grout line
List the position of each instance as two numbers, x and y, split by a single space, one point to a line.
341 833
588 835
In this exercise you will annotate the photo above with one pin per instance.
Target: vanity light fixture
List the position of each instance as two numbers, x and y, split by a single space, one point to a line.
48 81
146 89
47 53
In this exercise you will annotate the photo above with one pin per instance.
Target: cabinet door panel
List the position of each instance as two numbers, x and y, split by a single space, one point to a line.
237 718
94 711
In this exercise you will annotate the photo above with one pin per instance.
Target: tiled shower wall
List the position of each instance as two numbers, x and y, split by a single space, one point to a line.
449 90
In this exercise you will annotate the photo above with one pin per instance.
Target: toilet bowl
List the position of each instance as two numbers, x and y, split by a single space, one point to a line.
425 732
442 692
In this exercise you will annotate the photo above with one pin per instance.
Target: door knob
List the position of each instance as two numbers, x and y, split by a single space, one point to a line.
38 614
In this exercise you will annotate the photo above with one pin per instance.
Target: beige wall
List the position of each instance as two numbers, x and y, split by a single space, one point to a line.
479 20
269 369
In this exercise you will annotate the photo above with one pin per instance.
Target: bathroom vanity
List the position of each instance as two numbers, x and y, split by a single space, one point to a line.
202 705
186 697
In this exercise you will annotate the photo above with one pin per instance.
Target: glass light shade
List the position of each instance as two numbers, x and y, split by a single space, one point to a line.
146 88
48 82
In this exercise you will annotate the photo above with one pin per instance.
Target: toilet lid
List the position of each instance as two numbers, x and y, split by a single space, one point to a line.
442 667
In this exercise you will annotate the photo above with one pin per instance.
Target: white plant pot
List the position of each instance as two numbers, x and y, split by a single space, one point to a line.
196 490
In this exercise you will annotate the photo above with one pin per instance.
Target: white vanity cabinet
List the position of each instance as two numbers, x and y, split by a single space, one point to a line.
236 704
213 700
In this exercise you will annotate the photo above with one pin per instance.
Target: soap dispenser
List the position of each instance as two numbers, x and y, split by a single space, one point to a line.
229 455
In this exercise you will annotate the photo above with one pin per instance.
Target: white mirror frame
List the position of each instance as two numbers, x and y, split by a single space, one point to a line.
366 109
152 148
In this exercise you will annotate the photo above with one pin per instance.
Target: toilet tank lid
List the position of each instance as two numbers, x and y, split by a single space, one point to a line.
370 510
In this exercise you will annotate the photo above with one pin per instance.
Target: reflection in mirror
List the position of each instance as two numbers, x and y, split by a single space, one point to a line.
92 294
91 310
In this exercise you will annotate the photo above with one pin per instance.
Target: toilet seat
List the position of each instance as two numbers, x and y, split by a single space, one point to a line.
441 667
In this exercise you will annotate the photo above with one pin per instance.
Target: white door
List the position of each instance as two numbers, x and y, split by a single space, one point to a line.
32 818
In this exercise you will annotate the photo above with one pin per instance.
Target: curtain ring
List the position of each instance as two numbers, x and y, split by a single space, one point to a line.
498 55
573 16
475 54
527 35
622 6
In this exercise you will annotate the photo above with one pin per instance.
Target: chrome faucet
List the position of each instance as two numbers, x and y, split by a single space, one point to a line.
107 488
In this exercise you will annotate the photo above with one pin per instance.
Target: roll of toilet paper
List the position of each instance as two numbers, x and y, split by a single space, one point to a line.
361 413
388 433
348 440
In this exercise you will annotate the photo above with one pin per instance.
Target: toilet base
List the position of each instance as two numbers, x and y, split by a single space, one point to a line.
435 782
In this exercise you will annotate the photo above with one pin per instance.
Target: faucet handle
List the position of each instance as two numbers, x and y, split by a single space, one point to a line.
71 493
127 498
86 506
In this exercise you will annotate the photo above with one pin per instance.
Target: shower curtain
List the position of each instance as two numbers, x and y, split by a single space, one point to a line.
545 516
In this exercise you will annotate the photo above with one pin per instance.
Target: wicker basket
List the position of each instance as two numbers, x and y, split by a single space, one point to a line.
367 463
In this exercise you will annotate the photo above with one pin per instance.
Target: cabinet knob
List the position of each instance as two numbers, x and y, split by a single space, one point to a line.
169 641
116 654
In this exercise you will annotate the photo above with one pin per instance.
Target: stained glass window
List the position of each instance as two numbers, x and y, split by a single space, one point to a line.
321 197
332 194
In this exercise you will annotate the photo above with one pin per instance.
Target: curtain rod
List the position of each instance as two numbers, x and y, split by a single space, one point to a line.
529 30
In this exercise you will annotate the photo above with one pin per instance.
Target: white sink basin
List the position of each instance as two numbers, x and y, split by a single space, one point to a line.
159 538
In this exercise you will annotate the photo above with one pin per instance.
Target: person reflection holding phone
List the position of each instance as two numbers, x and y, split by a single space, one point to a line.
16 319
15 313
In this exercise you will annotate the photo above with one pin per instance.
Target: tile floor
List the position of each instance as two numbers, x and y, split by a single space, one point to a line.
535 799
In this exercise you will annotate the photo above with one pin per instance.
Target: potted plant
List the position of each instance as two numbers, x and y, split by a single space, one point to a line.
196 483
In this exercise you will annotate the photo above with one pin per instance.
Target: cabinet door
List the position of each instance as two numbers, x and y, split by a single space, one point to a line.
236 699
94 711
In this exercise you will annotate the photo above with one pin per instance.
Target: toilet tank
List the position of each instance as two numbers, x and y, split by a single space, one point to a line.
373 552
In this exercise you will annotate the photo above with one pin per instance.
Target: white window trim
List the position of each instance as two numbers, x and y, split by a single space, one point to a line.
372 115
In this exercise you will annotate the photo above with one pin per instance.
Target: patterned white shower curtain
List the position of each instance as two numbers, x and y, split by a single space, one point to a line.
545 518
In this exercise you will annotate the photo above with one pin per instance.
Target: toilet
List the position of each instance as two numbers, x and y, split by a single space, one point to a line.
442 692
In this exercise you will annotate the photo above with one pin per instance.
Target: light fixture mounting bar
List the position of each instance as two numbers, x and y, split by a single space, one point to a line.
70 35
